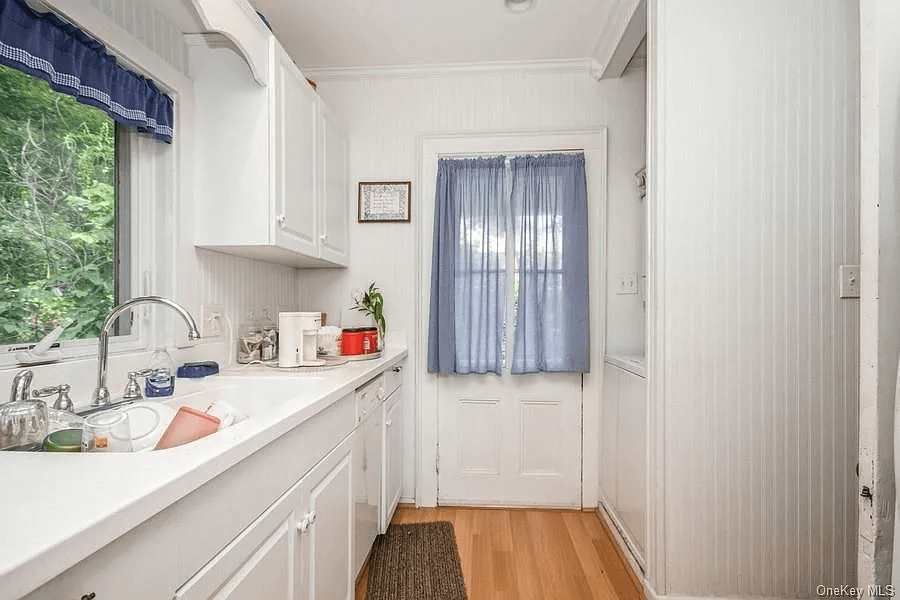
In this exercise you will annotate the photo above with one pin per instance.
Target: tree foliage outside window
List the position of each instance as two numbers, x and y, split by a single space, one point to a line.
57 212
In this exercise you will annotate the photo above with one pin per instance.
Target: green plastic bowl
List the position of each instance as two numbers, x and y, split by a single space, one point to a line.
64 440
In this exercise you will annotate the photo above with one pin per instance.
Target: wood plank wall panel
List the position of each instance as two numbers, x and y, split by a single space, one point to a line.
759 205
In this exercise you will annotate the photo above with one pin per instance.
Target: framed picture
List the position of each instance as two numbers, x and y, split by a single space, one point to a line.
384 201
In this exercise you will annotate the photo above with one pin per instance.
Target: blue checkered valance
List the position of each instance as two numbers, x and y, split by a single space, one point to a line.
42 45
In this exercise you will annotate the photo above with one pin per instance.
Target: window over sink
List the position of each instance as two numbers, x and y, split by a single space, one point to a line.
64 213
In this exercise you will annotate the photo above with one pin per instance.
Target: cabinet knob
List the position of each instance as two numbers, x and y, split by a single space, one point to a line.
388 423
397 369
90 596
280 219
312 518
324 237
303 525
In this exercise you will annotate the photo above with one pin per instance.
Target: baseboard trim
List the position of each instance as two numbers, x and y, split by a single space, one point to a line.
635 571
626 544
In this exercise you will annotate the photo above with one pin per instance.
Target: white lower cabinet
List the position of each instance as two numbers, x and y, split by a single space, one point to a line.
259 563
623 482
391 463
325 527
280 524
299 549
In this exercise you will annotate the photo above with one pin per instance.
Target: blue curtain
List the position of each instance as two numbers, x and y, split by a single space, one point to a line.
549 207
468 267
73 63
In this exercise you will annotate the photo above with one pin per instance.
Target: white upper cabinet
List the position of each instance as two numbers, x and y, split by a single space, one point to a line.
271 173
334 189
294 131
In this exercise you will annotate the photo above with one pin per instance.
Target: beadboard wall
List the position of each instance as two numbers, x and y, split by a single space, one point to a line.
754 360
241 285
152 27
384 115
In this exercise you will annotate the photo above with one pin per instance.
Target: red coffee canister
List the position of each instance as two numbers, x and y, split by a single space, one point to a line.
370 340
351 342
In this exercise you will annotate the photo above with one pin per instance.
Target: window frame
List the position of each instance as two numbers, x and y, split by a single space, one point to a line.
136 205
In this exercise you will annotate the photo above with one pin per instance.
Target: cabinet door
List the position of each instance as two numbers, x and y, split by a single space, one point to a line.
294 133
325 524
259 563
335 200
393 463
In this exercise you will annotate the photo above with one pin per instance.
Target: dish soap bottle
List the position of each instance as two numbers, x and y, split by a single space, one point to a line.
162 381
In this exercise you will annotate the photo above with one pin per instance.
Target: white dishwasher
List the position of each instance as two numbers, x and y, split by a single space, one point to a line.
367 468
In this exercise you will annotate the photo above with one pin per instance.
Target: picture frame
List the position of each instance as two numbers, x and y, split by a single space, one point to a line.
384 201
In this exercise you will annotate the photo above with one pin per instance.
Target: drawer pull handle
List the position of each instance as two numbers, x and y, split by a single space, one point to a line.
397 369
90 596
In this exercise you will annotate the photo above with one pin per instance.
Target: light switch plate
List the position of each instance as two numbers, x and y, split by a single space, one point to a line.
849 281
627 284
210 326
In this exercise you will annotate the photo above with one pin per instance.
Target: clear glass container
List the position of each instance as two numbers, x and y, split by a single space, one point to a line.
269 330
23 425
107 431
249 340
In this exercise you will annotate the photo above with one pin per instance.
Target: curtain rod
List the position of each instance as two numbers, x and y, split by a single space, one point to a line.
508 154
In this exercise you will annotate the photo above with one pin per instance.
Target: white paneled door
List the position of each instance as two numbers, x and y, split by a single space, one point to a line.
510 440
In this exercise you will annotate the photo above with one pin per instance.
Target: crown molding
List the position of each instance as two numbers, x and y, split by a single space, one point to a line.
578 65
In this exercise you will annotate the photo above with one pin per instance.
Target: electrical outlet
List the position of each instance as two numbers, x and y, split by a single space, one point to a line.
849 281
211 326
627 284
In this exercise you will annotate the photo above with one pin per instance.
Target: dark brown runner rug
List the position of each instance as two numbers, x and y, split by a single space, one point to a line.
416 561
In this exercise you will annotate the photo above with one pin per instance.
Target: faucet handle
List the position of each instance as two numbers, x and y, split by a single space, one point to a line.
63 402
133 388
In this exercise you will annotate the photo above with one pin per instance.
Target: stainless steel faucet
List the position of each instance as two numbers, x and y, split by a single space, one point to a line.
100 397
20 386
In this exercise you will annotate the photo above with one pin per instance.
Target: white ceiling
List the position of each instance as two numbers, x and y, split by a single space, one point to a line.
363 33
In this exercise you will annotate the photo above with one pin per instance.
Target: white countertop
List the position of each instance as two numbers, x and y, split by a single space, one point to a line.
61 508
633 363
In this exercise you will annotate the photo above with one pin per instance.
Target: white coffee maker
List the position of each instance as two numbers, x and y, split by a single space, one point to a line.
297 338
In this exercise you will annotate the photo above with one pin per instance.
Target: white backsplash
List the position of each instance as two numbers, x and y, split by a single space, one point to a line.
242 285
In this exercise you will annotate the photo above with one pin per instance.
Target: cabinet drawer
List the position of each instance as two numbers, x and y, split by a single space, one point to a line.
368 397
393 379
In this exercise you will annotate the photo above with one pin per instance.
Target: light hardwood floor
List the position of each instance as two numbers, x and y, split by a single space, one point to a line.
525 554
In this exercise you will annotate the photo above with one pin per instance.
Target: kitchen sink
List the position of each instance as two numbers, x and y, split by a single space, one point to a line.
250 396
